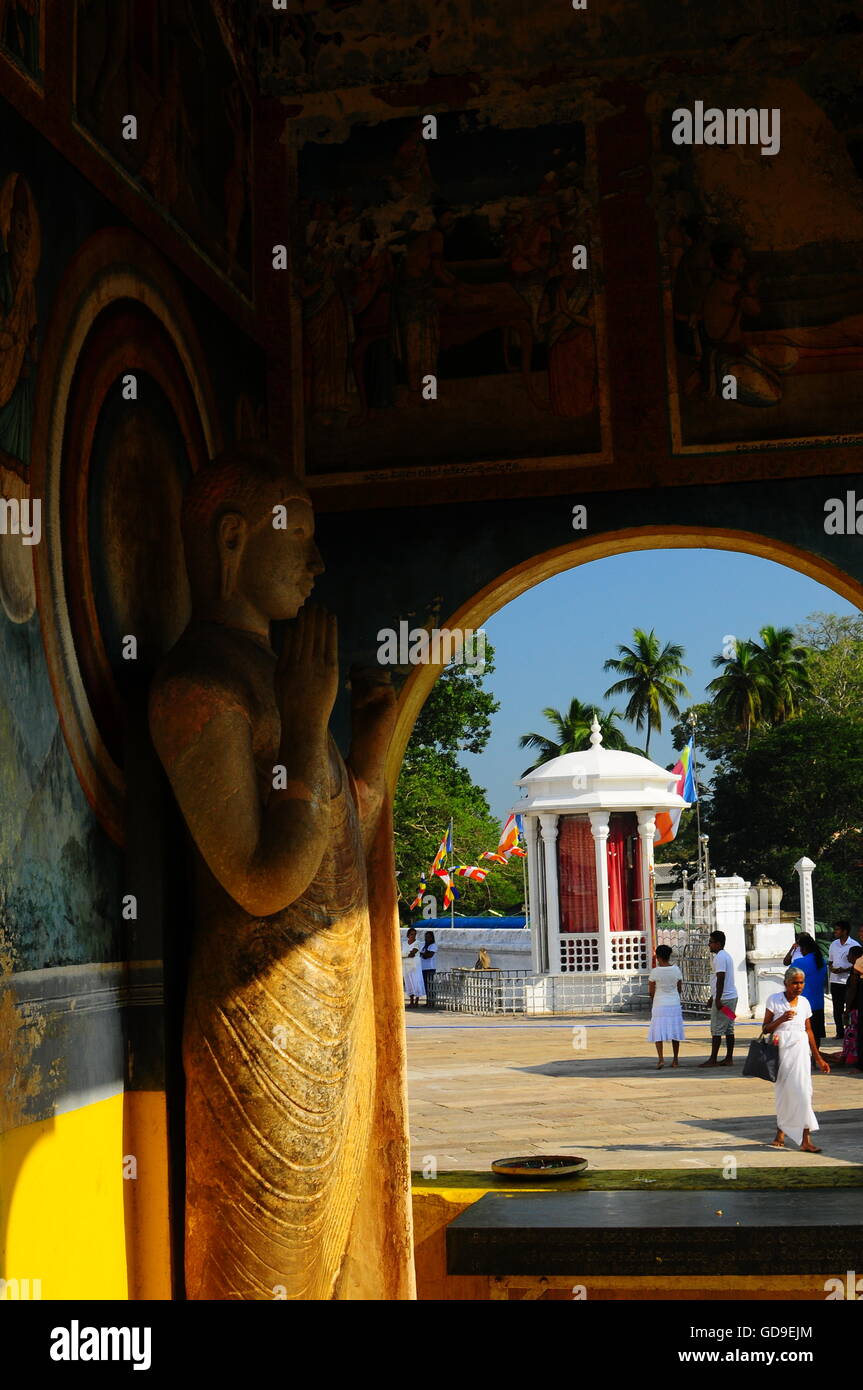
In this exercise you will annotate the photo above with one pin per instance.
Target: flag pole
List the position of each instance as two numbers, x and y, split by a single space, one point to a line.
452 876
693 724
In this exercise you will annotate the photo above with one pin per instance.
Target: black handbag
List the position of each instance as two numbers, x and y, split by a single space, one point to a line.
763 1059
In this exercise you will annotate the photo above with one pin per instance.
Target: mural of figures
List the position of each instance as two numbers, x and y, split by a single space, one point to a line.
21 33
19 261
175 65
763 284
449 258
20 253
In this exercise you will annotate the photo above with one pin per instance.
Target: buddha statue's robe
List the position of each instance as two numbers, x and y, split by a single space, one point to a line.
279 1032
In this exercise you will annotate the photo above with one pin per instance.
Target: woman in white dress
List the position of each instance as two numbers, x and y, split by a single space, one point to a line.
787 1021
412 968
666 1015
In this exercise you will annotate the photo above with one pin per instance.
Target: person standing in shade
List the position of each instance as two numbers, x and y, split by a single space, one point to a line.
810 960
850 1054
787 1020
428 956
665 983
840 967
723 1002
413 975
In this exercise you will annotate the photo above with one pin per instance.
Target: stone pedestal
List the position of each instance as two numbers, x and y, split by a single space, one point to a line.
771 942
731 899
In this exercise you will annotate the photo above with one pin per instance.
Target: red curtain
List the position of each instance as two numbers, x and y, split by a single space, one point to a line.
622 868
617 876
576 875
640 916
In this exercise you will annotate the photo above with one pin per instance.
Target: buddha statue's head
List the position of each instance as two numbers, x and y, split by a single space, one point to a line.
248 535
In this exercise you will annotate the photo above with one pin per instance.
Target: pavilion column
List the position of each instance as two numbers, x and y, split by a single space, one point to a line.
646 832
599 828
532 906
548 826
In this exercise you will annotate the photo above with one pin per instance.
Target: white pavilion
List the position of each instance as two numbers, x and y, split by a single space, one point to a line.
589 823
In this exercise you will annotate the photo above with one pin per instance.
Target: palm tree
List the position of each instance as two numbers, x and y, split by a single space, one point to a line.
573 733
651 679
785 664
742 692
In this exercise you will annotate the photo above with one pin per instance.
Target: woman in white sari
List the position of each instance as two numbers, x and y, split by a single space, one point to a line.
412 968
787 1020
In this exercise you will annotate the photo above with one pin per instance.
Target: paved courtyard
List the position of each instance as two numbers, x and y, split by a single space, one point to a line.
484 1088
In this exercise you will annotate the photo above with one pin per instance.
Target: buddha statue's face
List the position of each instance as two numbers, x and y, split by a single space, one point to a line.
280 562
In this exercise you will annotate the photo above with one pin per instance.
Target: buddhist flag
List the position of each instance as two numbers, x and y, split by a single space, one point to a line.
417 902
450 892
508 843
473 871
667 822
439 866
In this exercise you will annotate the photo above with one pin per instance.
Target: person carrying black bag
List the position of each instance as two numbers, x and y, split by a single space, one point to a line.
788 1020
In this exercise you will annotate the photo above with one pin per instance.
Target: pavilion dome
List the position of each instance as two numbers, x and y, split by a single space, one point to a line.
599 779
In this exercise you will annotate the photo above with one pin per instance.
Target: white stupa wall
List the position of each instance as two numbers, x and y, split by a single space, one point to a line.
458 947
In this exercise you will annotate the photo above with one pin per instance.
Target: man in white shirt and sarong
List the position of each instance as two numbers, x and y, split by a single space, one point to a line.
723 1002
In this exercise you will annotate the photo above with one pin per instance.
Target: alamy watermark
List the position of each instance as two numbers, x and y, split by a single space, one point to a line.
734 126
77 1343
437 646
21 517
843 516
20 1290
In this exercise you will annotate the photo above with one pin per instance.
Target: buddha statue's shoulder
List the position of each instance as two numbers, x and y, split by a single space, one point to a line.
210 671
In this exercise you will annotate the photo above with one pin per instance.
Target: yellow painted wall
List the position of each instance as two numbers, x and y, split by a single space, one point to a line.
70 1217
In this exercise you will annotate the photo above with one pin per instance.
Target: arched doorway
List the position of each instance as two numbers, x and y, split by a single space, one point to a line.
515 581
474 1063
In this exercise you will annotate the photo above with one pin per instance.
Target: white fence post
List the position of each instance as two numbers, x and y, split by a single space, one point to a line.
804 868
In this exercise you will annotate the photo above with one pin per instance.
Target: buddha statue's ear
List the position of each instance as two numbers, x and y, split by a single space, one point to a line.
232 533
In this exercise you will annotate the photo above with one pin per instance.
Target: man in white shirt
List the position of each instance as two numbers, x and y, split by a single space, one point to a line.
723 1002
840 968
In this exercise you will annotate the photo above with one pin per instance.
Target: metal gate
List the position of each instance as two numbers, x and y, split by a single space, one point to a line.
695 967
687 932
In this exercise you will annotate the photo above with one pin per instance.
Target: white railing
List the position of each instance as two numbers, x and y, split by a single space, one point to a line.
628 950
520 992
579 952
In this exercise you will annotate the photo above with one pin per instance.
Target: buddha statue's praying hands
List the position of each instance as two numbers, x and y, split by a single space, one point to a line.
279 1045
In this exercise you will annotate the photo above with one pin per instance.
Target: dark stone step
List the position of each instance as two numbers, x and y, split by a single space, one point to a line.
648 1233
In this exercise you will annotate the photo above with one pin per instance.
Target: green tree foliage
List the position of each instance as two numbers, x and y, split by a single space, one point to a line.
797 789
835 666
456 717
433 786
785 664
741 692
761 683
715 738
572 732
650 676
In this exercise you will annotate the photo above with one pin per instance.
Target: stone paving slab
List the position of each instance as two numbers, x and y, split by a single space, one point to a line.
489 1088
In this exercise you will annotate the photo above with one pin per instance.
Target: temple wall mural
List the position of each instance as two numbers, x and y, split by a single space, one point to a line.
458 257
169 65
790 236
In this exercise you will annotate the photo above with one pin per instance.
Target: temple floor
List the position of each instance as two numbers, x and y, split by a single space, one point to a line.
484 1088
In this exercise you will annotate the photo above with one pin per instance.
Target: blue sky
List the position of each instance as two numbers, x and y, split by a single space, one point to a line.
551 643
